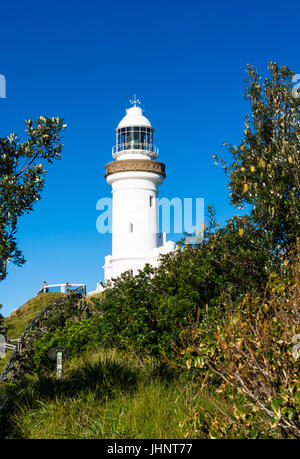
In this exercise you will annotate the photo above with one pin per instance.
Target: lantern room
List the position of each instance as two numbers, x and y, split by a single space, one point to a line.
134 134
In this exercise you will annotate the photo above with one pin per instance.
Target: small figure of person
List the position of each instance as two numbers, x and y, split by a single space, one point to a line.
45 288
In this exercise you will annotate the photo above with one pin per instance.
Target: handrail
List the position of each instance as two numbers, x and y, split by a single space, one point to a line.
21 339
9 346
63 287
18 347
135 146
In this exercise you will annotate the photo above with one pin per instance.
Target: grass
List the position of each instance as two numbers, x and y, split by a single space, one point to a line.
90 298
107 394
153 411
4 361
18 320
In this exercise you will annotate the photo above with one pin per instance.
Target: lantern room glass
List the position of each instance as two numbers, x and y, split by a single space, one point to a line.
137 138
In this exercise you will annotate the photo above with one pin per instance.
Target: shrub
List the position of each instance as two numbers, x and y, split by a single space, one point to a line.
265 171
76 336
147 311
253 352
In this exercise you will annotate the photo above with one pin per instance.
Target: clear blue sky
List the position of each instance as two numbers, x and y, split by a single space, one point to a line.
83 61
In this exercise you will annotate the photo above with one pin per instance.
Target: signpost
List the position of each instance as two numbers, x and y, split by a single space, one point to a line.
57 353
2 347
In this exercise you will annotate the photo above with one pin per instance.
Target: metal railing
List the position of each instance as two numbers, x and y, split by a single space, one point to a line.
132 145
20 340
16 344
10 347
63 288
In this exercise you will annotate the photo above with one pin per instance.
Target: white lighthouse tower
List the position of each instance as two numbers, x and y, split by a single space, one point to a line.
134 177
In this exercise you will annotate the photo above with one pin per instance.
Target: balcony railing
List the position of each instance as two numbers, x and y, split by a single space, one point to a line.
152 149
64 288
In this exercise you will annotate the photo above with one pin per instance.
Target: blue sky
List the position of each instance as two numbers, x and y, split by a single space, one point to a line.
83 61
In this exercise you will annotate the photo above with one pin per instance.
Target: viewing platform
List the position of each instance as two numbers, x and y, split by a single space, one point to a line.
64 288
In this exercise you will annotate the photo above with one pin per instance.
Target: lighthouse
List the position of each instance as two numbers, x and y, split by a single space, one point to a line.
134 176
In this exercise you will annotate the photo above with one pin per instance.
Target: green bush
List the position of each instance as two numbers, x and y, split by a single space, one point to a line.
252 351
76 336
265 171
147 312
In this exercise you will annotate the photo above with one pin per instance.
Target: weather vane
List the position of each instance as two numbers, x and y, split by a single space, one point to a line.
134 101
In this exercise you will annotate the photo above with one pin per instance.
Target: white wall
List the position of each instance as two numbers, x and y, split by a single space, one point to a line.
131 207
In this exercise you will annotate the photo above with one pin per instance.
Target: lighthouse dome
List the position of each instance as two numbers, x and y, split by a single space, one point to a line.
134 135
134 117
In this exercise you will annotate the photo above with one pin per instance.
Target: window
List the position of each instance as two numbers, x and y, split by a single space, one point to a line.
130 227
151 201
136 137
129 137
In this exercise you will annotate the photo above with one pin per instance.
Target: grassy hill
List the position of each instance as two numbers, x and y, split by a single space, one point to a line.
19 318
104 393
115 391
110 394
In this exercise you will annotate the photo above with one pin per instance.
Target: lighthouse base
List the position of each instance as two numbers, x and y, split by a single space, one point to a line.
114 267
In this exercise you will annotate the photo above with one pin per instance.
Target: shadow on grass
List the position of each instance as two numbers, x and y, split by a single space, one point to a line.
107 375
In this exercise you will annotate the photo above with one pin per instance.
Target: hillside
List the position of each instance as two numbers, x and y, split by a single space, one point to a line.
113 387
109 394
19 318
104 393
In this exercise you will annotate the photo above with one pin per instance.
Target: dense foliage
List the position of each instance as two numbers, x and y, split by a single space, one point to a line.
2 325
253 350
224 310
147 311
74 335
22 178
50 319
265 172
